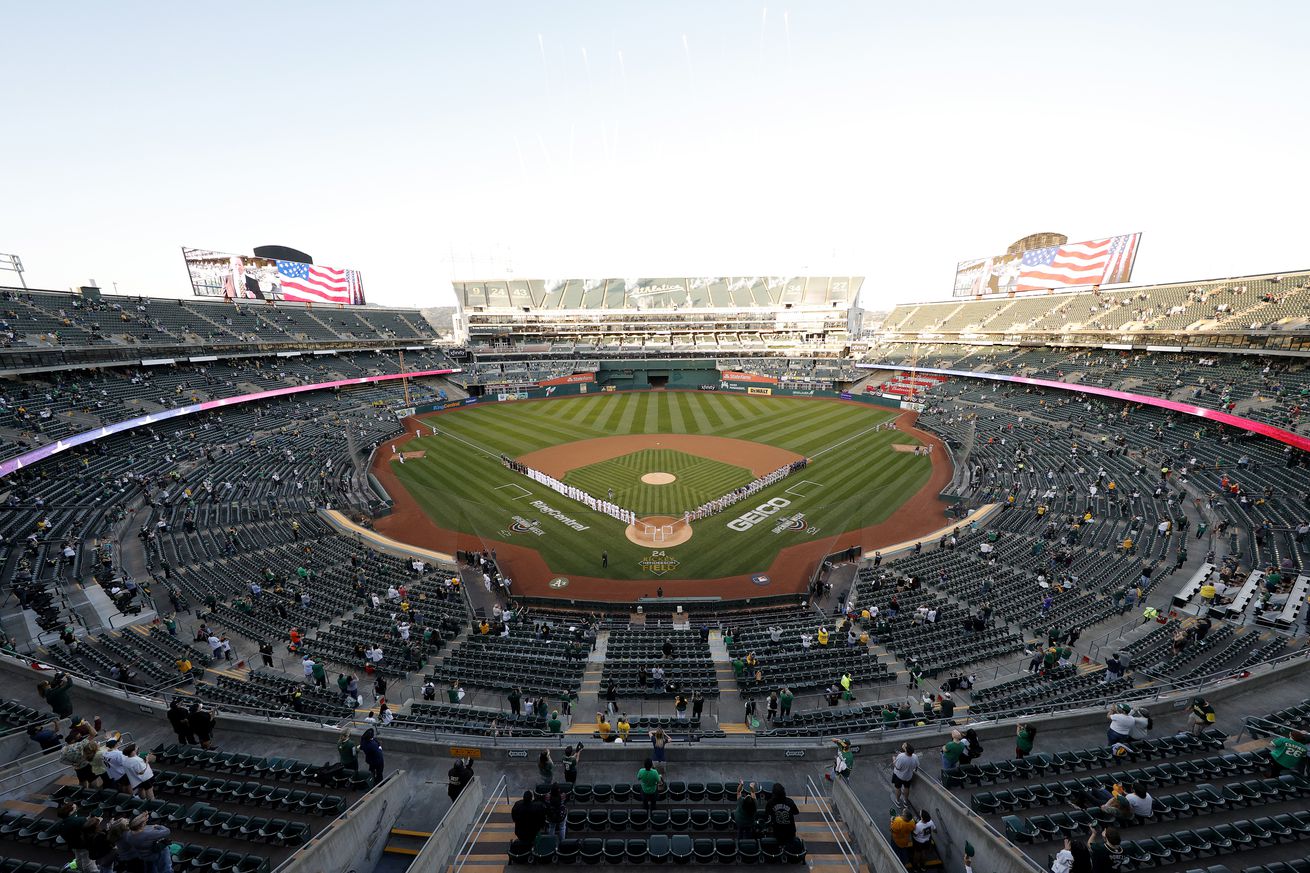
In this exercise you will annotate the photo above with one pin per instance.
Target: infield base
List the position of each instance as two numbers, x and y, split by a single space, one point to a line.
658 531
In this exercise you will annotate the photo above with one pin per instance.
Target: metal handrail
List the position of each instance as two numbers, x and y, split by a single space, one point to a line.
849 854
480 824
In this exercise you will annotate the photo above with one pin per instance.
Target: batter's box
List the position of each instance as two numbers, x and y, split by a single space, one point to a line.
526 492
798 490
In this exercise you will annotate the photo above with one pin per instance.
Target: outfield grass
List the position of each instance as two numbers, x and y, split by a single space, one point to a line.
698 480
854 479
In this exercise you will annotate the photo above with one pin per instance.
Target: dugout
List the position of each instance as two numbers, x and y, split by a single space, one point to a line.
637 374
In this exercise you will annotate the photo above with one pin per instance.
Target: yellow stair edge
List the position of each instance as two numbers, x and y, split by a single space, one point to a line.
405 832
396 850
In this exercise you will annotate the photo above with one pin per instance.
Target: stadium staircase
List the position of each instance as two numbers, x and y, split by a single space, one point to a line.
692 823
730 698
589 699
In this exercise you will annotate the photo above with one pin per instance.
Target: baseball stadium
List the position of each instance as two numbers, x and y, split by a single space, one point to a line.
651 565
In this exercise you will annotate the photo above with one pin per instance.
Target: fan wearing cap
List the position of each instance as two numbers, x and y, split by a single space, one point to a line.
145 842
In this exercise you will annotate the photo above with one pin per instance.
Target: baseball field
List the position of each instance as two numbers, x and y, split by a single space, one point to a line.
659 454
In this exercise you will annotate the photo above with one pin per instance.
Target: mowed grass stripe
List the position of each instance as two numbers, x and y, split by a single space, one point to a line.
612 408
692 416
504 437
557 430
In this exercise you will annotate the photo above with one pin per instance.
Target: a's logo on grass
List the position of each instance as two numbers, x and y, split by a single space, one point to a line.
760 579
659 563
558 582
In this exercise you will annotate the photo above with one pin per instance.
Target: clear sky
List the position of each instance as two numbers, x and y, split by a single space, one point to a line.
416 141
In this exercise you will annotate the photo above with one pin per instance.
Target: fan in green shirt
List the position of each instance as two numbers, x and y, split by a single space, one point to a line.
1287 754
952 751
649 778
346 751
555 725
1023 742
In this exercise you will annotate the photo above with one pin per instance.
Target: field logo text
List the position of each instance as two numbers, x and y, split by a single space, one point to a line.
659 563
748 520
547 509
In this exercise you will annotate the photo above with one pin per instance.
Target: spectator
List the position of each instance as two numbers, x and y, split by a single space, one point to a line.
139 841
557 814
650 780
572 756
140 776
973 748
952 752
1063 862
347 751
546 767
905 764
47 737
658 741
1287 754
554 725
202 721
743 815
844 762
781 811
460 775
57 693
372 749
528 815
178 718
1025 735
924 847
1200 716
1141 801
1121 724
72 827
902 830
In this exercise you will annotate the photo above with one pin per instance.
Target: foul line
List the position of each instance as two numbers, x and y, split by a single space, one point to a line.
526 492
849 438
479 448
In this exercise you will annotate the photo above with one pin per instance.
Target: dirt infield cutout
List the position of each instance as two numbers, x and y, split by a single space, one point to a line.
759 458
658 531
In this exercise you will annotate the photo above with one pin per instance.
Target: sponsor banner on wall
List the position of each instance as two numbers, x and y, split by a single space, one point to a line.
574 379
912 406
756 389
738 376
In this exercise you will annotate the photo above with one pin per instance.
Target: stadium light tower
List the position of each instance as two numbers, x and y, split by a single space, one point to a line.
13 264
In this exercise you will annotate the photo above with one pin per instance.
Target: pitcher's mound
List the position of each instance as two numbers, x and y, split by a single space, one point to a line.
658 531
658 478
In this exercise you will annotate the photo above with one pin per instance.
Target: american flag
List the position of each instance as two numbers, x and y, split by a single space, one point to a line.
1099 262
309 283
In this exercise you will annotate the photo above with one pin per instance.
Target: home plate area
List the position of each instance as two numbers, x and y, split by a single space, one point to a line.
659 531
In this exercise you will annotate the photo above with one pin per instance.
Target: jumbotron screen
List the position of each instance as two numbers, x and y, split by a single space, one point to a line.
247 277
1106 261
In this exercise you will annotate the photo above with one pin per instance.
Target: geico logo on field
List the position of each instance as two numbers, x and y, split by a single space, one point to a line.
748 520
